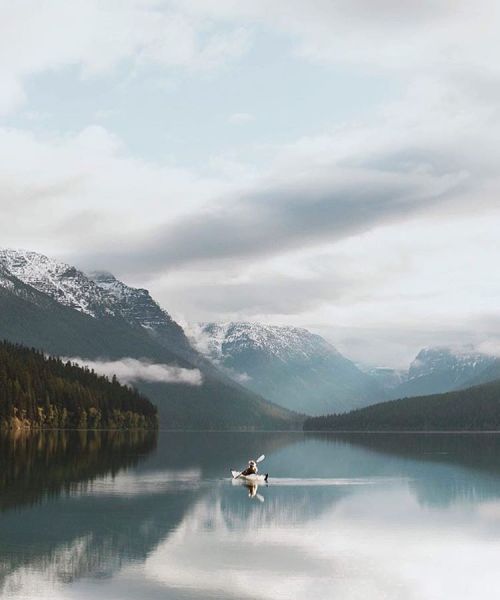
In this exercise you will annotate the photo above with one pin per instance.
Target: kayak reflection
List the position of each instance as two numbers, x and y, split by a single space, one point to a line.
251 486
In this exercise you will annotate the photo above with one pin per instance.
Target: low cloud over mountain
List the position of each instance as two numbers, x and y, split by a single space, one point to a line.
130 370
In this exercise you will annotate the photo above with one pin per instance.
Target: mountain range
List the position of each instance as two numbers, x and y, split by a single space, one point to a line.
55 307
440 369
302 371
252 375
291 366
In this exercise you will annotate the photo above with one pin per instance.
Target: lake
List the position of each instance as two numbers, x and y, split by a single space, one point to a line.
349 516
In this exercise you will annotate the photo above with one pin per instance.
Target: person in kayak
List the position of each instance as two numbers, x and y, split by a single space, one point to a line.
252 469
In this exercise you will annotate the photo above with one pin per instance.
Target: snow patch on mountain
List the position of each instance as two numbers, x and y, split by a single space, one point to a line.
457 361
98 294
62 282
135 305
215 340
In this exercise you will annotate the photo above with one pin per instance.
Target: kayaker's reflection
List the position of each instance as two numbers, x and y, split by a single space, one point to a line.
252 491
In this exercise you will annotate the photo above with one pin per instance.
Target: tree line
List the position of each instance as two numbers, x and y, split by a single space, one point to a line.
38 391
473 409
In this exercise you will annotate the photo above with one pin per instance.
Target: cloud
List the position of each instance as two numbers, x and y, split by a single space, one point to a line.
411 158
429 35
98 37
62 179
324 206
212 349
129 370
490 347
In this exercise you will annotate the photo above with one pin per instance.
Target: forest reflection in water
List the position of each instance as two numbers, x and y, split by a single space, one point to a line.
130 514
35 464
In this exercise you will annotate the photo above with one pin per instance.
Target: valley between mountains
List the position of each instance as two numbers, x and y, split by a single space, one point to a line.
235 375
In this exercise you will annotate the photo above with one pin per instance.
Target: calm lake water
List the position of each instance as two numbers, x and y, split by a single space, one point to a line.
366 516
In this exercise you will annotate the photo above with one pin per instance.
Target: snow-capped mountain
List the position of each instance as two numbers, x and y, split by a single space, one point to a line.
60 281
98 295
291 366
441 369
135 305
56 307
460 363
138 308
282 343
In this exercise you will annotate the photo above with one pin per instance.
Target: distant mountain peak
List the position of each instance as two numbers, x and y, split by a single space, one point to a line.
289 365
438 369
438 358
283 342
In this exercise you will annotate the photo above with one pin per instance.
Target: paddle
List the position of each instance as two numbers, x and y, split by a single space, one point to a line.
260 459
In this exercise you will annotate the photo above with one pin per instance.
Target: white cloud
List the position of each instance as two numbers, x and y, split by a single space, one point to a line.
97 37
128 370
87 181
435 35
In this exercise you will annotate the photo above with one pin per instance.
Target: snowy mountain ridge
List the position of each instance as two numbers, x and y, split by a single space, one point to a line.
281 342
291 366
62 282
135 305
98 294
457 361
441 369
53 306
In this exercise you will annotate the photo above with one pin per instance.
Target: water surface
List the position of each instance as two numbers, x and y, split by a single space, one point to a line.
127 516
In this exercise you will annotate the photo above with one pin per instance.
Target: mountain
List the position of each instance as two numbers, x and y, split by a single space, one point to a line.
98 294
472 409
55 307
490 373
441 369
138 308
387 377
288 365
41 392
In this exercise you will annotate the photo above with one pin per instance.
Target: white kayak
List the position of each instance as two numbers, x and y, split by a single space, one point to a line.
249 478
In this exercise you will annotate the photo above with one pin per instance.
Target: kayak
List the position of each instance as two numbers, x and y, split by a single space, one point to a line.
249 478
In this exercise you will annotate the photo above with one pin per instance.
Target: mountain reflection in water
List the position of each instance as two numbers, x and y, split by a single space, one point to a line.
128 515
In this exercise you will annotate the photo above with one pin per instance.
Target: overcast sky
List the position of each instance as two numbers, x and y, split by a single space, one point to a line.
332 164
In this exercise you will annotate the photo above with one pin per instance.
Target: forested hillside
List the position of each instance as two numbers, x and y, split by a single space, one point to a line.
474 409
44 392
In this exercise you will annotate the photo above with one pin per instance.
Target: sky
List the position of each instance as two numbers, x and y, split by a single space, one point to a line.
330 164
